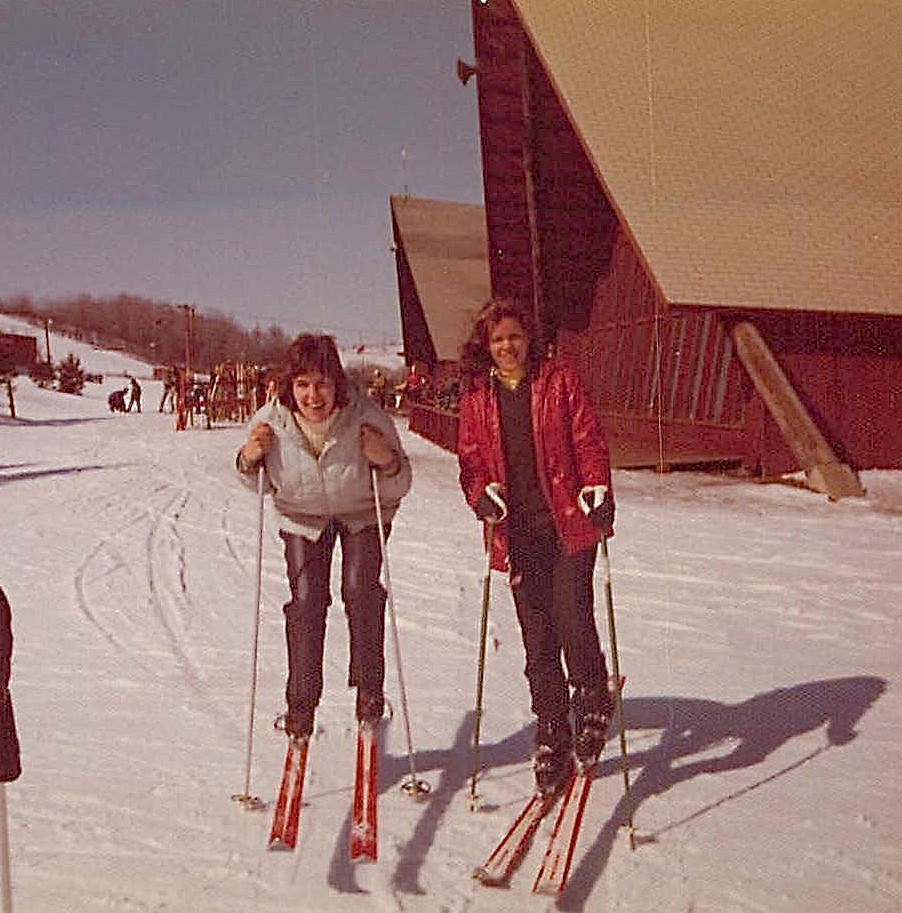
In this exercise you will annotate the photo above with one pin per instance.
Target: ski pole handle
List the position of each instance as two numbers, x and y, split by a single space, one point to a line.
493 493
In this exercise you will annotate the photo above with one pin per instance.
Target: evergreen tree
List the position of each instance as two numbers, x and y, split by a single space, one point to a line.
70 376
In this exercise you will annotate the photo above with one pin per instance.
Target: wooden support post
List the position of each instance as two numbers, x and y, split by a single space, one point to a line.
8 380
823 471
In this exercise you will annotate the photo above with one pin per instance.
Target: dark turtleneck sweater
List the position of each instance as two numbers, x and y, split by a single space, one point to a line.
530 519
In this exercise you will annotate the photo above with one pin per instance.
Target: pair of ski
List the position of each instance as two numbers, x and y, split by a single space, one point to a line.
551 877
283 834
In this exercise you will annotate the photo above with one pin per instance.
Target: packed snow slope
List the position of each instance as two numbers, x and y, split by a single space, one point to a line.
759 629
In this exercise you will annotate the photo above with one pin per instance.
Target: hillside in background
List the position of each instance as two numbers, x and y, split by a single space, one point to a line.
153 331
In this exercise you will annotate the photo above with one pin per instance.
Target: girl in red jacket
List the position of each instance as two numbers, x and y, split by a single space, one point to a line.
528 433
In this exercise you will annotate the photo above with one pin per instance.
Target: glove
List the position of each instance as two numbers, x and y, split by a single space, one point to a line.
490 507
601 516
488 510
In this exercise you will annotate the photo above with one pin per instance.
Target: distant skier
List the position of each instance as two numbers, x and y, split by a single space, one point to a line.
10 763
116 400
318 443
170 389
135 391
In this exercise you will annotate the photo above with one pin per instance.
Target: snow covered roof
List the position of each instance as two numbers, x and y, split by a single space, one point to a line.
751 149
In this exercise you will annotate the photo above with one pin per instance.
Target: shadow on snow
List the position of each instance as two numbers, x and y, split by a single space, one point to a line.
29 475
746 734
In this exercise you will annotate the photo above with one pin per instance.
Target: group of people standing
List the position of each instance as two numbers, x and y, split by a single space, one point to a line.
535 469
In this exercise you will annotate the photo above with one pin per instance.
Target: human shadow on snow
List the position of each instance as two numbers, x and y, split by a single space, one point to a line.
692 731
697 736
447 772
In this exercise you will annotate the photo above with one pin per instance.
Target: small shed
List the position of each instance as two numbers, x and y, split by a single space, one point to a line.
18 353
701 202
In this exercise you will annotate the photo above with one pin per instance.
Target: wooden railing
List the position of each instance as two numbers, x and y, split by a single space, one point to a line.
436 425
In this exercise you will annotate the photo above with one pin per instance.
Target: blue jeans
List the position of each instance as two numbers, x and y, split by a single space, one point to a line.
309 567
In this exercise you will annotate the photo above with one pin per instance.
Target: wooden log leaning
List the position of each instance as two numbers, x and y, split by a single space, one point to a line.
823 471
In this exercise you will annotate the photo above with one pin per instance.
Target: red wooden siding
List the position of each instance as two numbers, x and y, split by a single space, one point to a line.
501 47
644 363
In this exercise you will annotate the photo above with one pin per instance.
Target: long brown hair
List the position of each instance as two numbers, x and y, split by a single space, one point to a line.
475 358
313 352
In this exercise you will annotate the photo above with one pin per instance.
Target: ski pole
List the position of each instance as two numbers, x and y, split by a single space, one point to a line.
246 798
618 696
414 787
588 498
493 491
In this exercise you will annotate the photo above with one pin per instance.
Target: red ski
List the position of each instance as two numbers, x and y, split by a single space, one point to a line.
363 843
497 870
552 874
287 815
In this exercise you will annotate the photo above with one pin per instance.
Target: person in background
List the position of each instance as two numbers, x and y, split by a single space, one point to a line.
10 762
116 400
376 388
416 383
528 434
135 389
170 389
318 443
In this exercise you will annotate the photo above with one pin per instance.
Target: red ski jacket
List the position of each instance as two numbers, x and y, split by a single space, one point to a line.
571 452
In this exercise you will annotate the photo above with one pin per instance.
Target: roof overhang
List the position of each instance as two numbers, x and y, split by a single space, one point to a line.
752 151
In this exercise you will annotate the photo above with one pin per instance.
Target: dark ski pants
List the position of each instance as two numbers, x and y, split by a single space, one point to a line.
554 597
309 569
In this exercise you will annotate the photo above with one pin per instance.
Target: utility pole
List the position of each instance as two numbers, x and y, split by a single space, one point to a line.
189 338
187 376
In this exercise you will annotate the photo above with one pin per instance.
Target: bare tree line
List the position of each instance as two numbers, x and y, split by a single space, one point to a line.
154 331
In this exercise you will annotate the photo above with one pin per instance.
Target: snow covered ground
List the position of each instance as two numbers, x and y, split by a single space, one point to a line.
759 627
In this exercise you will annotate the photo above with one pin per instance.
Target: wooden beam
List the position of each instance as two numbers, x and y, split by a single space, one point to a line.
823 471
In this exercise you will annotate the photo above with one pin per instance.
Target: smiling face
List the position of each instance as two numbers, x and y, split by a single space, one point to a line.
314 394
509 347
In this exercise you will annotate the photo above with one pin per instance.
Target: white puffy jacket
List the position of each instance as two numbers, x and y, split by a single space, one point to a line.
308 490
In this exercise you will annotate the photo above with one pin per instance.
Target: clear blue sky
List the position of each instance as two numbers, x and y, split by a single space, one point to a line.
237 155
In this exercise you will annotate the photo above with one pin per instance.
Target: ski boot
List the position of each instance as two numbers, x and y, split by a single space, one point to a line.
553 761
370 706
593 708
297 723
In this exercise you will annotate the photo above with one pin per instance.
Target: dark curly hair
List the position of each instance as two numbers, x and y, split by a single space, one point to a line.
475 358
313 352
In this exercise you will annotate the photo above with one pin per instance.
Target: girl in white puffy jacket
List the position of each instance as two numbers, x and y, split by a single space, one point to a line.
318 444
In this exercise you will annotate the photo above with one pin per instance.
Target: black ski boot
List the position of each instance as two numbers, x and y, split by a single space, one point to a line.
553 760
298 722
370 706
593 708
